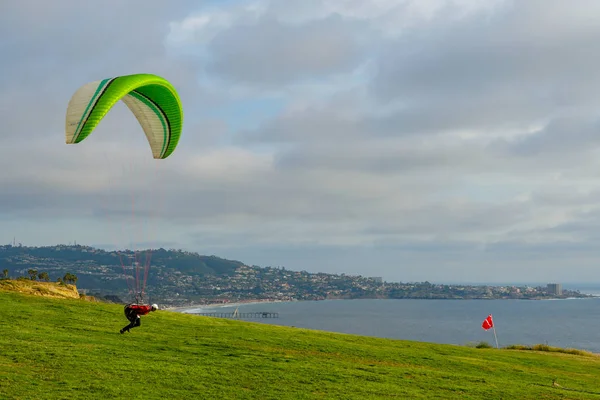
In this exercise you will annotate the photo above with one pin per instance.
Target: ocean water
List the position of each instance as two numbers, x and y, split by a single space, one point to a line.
571 323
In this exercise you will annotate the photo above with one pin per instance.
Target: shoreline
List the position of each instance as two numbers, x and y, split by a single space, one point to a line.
254 302
183 309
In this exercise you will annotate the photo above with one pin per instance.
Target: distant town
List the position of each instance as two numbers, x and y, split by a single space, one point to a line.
181 278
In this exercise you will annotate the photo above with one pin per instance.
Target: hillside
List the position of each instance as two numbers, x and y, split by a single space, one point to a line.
180 278
173 273
67 348
35 288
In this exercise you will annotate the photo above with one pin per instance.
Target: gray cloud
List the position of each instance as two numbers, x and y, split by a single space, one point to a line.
560 137
271 53
509 69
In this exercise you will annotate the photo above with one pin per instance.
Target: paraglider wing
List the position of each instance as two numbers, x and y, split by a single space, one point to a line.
152 99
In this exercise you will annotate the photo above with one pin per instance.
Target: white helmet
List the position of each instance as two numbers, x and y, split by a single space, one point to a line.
154 307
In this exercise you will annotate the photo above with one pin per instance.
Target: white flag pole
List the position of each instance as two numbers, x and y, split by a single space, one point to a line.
495 337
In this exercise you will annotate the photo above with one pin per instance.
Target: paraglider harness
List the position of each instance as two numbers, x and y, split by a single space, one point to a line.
132 313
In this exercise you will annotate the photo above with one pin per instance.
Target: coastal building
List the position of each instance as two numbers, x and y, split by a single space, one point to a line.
555 289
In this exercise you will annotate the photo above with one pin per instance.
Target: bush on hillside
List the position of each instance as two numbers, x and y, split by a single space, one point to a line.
43 276
32 274
552 349
70 278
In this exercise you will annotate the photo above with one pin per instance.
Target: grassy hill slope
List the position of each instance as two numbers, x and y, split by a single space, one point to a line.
67 348
37 288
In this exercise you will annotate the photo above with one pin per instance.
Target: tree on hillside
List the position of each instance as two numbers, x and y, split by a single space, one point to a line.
5 273
32 274
60 281
70 278
44 276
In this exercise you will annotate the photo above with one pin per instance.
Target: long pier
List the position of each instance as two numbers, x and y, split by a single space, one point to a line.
235 314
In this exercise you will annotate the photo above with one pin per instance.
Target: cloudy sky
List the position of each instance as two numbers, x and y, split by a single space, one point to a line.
449 141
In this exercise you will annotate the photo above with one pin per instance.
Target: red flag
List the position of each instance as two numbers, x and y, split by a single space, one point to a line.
488 323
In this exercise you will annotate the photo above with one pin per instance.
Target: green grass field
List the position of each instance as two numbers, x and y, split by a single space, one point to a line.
72 349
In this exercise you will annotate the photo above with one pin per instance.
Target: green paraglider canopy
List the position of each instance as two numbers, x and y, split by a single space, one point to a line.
156 105
152 99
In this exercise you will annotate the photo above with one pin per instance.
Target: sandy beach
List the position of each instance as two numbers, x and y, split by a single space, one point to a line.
199 307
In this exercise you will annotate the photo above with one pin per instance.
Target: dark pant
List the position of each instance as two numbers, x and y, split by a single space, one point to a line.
133 323
134 320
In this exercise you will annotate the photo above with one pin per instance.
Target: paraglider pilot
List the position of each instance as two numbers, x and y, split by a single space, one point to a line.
133 313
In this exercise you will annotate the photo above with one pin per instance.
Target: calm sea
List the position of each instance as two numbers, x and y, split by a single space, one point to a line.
564 323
